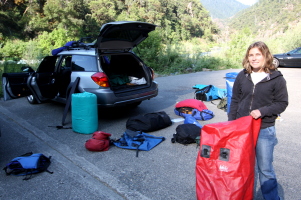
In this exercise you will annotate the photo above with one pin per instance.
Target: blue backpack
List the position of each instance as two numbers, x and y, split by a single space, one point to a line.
54 52
195 108
28 164
209 92
203 115
138 140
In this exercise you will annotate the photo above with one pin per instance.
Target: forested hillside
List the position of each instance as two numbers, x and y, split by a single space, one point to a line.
53 22
276 22
269 18
223 9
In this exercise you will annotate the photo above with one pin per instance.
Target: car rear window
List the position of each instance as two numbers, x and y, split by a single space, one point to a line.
84 63
123 35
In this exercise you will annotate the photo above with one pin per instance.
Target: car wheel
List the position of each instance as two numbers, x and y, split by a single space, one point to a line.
31 99
276 62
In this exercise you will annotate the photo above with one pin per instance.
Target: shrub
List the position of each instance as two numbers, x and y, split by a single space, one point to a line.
13 49
33 52
55 39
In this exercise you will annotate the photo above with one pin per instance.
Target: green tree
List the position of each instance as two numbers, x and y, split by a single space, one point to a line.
104 11
33 51
12 18
150 48
73 16
235 49
33 14
13 49
187 19
55 39
180 19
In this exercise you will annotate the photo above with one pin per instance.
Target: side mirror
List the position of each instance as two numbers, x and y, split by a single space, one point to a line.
27 69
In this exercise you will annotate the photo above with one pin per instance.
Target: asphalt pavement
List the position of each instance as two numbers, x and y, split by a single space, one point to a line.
165 172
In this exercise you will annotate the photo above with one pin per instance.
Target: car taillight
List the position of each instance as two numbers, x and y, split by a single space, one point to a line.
101 79
152 73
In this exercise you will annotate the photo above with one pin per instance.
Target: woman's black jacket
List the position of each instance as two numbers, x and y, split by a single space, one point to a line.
269 96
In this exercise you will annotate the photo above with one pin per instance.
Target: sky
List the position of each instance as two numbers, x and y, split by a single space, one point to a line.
247 2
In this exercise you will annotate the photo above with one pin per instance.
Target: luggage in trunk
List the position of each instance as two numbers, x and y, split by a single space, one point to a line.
124 72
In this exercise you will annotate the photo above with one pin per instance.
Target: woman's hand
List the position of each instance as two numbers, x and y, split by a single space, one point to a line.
255 114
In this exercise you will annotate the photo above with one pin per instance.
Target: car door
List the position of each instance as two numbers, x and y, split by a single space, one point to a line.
15 85
295 58
289 58
42 84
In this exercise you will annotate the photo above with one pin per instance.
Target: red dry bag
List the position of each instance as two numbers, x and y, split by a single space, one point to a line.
100 141
226 160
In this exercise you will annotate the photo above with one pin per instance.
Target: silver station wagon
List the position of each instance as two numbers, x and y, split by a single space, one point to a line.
107 67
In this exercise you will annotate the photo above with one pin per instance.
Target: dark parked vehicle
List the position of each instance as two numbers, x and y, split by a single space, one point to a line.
289 59
108 68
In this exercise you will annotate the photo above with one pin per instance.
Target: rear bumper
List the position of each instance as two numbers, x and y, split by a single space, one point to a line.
107 98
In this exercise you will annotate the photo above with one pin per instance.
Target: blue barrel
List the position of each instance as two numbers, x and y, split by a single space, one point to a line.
230 78
84 113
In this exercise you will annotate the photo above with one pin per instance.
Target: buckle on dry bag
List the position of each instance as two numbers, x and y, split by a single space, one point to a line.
224 154
205 151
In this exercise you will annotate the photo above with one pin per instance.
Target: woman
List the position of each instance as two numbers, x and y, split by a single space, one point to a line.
260 91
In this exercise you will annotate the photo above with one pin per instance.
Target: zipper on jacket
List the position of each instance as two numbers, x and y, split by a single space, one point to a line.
254 86
250 79
252 98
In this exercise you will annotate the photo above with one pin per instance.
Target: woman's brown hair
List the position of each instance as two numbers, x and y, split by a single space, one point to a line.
268 57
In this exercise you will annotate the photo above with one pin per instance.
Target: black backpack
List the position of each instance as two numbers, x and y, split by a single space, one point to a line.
186 134
28 164
149 122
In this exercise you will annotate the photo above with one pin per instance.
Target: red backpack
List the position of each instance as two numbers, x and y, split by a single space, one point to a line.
195 108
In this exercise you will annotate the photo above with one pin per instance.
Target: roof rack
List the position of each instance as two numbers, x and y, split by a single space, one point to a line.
80 44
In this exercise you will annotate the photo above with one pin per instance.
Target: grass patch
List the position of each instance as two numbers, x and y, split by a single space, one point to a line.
175 60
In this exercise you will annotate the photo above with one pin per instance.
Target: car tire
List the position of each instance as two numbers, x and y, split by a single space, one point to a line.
276 62
31 99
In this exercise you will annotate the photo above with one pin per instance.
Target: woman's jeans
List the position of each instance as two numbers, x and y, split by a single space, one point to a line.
264 155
